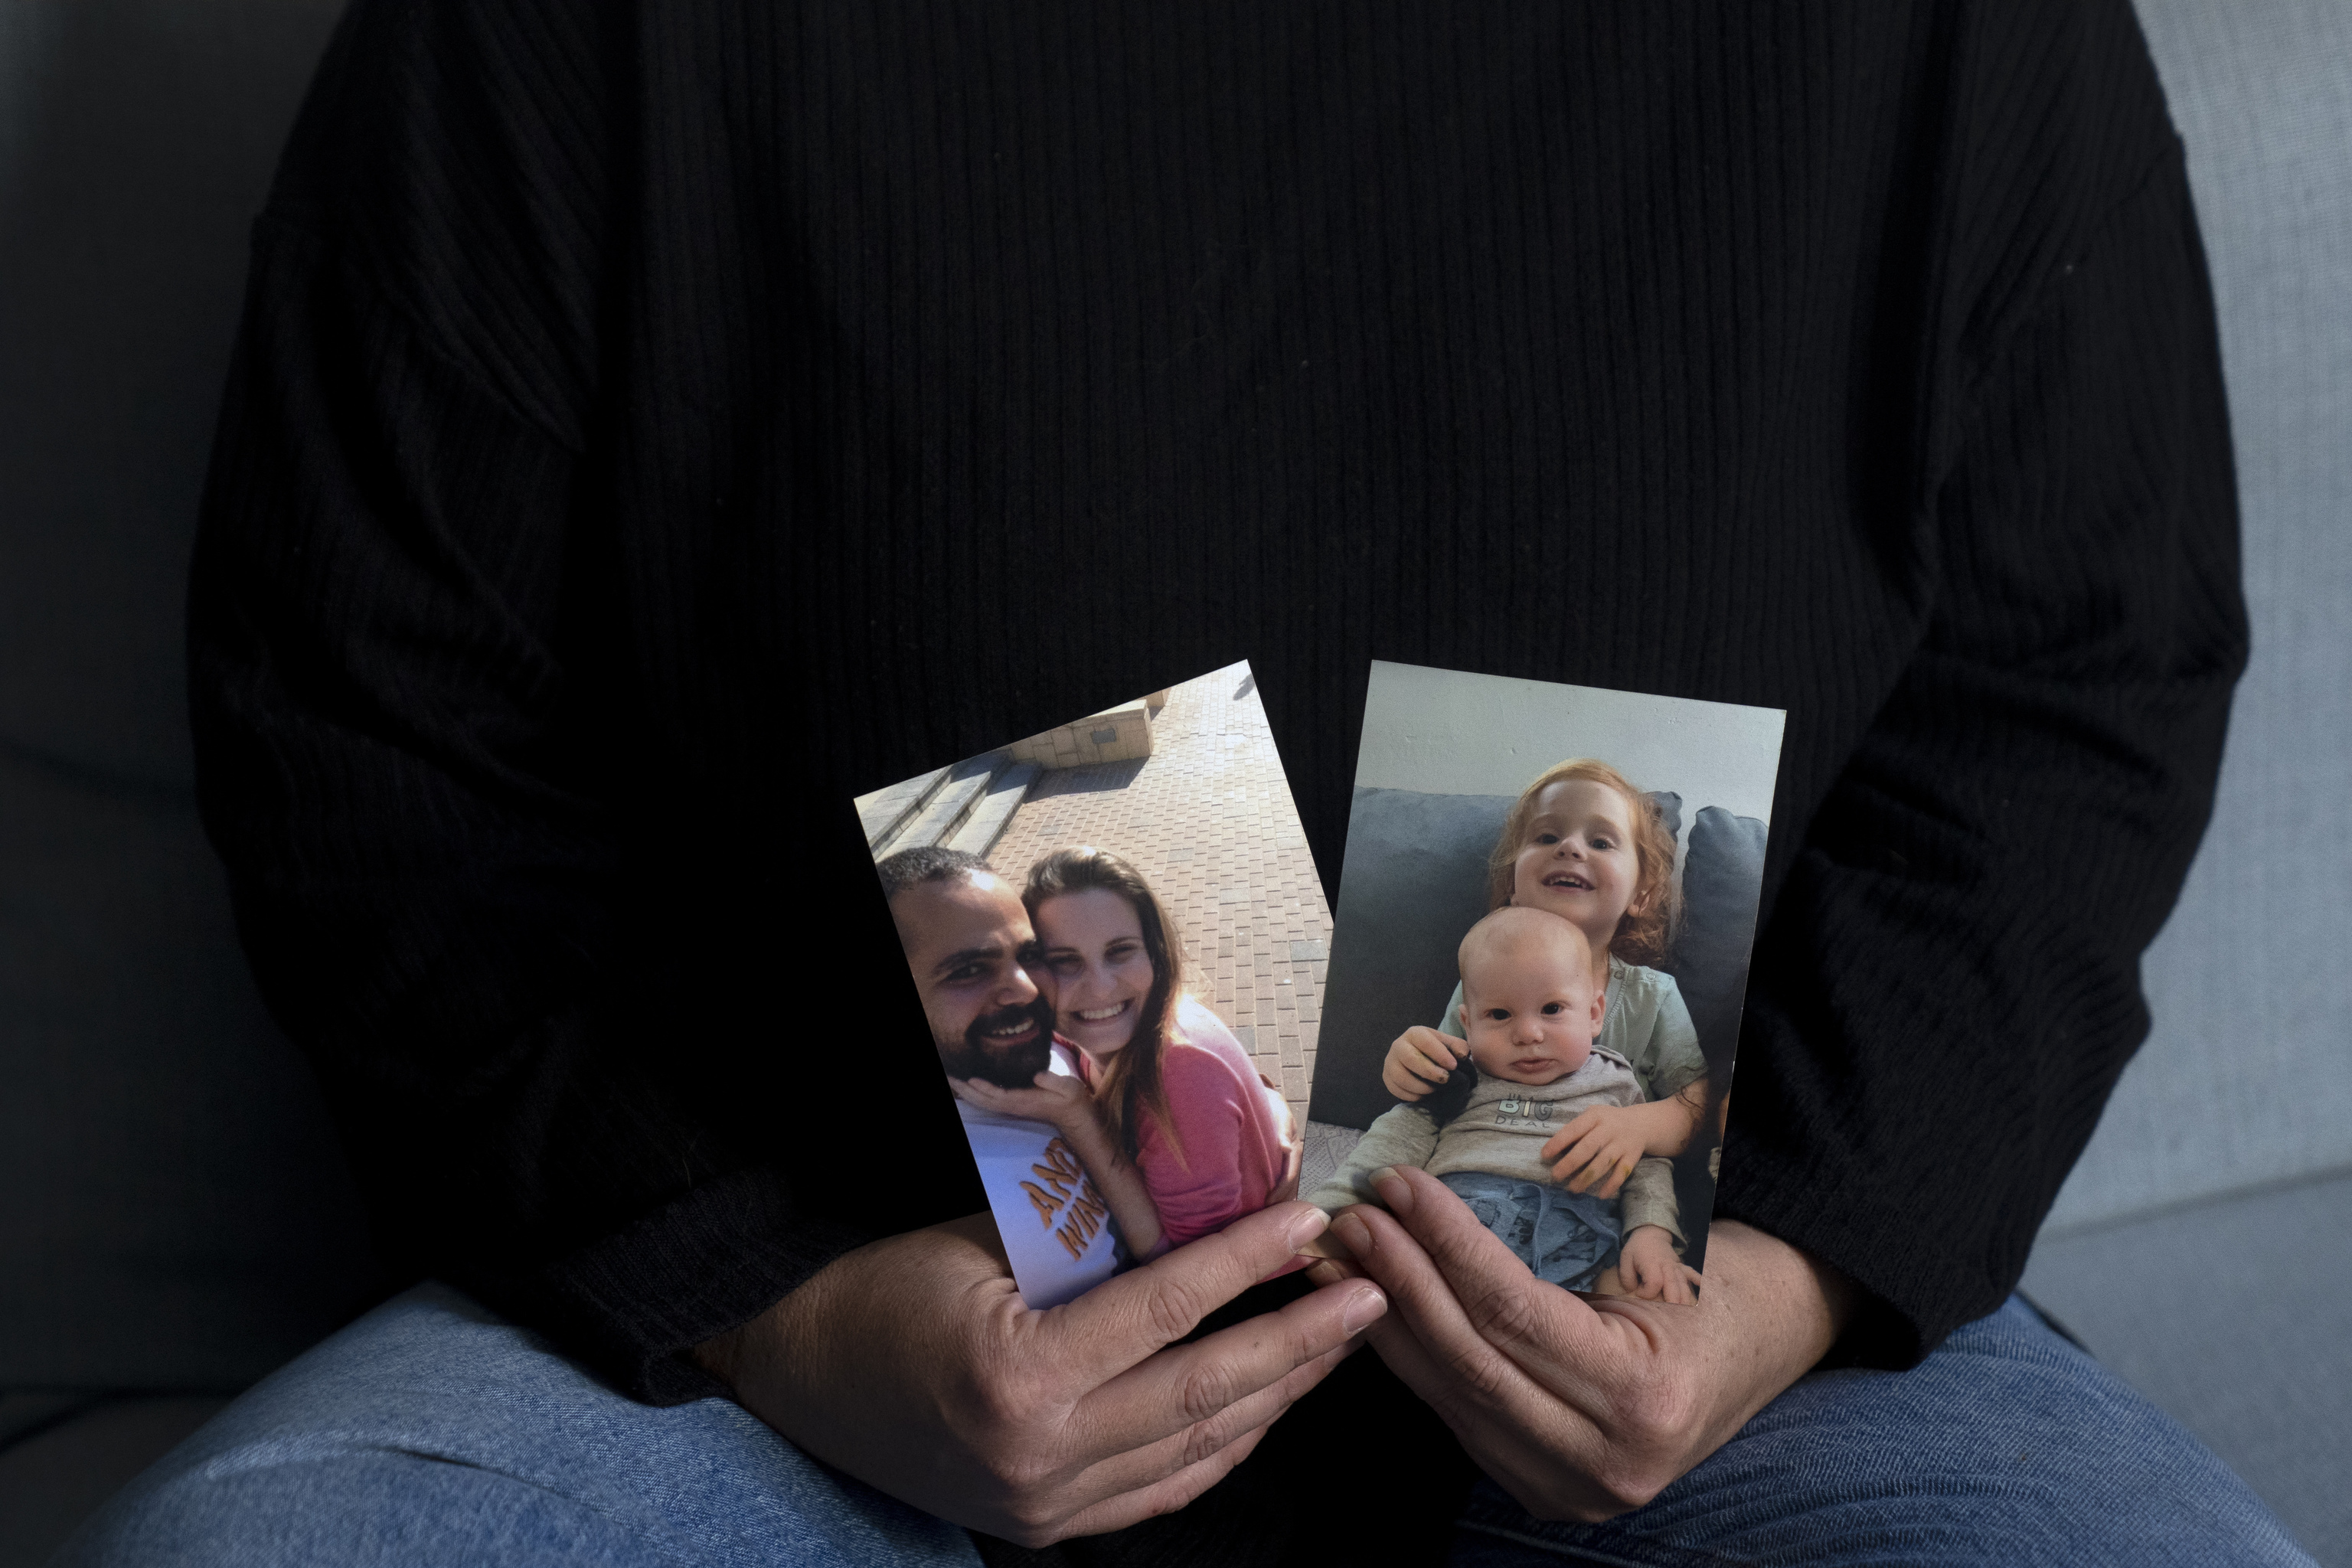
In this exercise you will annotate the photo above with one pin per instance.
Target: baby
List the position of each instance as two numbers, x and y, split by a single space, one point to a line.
1531 1012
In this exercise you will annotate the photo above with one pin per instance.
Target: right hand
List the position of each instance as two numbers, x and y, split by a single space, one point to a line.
913 1364
1419 1060
1581 1410
1058 1100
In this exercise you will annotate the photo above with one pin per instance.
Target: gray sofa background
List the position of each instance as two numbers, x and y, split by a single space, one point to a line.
2203 1246
176 1218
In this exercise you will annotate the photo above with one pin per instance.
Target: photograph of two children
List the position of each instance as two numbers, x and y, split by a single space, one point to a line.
1152 1025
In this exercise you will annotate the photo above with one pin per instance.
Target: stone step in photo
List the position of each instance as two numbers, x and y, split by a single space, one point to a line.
994 810
950 803
886 811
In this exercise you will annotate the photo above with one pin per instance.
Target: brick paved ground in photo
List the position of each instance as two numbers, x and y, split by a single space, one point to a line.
1207 818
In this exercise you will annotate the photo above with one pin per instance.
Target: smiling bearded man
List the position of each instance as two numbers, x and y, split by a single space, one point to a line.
966 934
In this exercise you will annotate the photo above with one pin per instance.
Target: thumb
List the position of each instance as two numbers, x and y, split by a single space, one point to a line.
1470 1256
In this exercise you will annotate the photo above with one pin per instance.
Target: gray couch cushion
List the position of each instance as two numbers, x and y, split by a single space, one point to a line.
2236 1317
178 1215
1414 879
1723 874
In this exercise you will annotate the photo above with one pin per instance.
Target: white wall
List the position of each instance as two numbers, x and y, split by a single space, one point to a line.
1443 731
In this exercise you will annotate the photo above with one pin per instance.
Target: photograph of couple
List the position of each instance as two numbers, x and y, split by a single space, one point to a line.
1590 948
1093 919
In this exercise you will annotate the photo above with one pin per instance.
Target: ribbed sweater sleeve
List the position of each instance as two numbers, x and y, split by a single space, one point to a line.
1953 961
402 732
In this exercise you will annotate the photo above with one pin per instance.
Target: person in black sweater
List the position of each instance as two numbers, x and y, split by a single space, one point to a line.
652 426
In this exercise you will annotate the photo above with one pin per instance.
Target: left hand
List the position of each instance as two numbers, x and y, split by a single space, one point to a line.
1058 1100
1598 1150
1648 1267
1581 1411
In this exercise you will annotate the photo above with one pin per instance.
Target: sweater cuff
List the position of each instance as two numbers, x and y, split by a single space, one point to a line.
632 1303
1911 1293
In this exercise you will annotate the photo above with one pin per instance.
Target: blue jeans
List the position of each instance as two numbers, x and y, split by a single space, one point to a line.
2007 1446
430 1431
1565 1237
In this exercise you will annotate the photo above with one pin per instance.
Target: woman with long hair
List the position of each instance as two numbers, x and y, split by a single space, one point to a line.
1214 1140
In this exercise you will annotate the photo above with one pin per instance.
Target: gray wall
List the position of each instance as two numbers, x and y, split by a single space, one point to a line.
2247 1078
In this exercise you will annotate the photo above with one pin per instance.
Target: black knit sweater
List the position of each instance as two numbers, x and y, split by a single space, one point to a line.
652 423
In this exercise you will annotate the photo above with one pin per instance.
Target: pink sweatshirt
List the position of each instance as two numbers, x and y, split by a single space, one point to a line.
1232 1153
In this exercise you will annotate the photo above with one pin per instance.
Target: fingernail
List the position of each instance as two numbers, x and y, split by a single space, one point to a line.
1363 1307
1306 1227
1353 1233
1321 1274
1396 1195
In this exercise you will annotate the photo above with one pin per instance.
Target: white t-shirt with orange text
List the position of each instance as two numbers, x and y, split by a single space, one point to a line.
1057 1227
